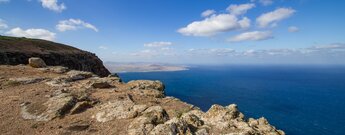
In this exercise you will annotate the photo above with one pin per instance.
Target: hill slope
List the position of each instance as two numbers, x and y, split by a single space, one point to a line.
14 51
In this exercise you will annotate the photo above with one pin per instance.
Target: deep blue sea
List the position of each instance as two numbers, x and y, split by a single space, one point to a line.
301 100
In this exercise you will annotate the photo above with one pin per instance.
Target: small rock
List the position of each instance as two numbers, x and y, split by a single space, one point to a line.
79 75
37 62
80 107
78 127
27 80
100 85
58 69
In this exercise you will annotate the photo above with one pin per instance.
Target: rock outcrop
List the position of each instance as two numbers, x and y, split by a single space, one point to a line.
63 101
14 51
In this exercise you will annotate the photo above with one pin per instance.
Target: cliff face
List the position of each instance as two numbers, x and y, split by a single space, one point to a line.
14 51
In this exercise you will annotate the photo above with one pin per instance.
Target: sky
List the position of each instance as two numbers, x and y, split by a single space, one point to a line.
187 31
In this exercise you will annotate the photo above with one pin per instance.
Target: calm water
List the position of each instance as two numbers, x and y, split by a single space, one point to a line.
299 100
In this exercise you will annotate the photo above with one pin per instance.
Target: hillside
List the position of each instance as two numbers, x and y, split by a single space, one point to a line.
14 51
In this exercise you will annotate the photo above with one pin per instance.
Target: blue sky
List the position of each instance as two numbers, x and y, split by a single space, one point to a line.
187 31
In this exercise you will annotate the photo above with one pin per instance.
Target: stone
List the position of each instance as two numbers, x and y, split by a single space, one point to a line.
141 126
36 62
146 84
27 80
118 109
192 120
100 85
202 131
174 126
56 106
79 75
148 120
222 116
80 107
58 69
78 127
157 113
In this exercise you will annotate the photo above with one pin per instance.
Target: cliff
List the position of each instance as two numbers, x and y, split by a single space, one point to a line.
57 100
14 51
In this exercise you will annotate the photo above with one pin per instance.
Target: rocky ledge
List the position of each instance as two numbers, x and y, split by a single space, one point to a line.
56 100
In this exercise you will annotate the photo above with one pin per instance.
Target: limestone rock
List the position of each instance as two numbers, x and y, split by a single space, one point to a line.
174 126
192 120
222 116
148 120
146 84
58 69
141 126
100 85
147 88
157 112
36 62
27 80
79 75
118 109
80 107
55 107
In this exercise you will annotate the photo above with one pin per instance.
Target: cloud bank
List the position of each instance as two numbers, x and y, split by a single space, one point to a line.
32 33
74 24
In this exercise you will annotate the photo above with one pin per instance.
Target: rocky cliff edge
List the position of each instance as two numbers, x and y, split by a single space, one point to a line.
57 100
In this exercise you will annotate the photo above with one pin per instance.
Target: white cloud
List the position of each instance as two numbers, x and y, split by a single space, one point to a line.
208 13
103 47
252 36
74 24
293 29
271 18
32 33
214 24
240 9
158 44
3 25
53 5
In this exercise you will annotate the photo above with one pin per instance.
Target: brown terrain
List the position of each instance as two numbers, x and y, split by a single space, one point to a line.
41 99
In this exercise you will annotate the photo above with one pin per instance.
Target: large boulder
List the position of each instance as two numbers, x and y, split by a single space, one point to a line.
37 62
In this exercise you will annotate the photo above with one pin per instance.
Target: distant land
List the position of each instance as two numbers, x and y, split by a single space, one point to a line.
116 67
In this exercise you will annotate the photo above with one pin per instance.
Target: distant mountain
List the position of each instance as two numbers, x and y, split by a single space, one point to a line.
116 67
14 51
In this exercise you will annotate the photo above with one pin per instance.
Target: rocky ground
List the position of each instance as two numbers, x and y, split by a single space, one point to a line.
56 100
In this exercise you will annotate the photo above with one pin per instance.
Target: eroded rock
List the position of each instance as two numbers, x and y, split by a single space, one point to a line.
118 109
27 80
174 126
146 84
56 106
36 62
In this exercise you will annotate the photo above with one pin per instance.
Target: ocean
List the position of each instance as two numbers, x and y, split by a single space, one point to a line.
301 100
